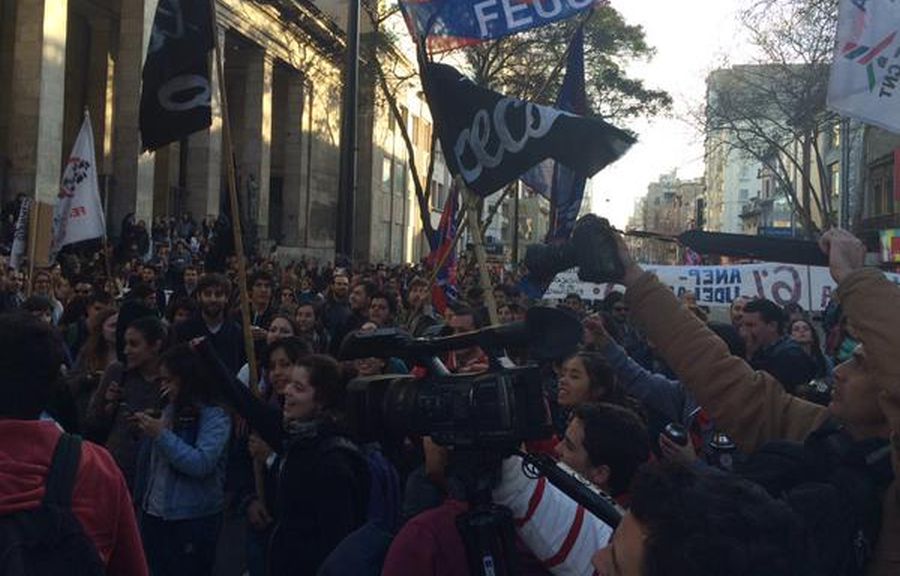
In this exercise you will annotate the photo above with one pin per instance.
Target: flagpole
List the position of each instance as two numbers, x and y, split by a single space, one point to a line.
233 201
480 255
34 221
258 471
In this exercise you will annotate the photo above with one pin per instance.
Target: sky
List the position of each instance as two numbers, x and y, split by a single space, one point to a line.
692 38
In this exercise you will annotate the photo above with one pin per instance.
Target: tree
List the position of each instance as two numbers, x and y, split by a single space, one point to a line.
529 65
774 110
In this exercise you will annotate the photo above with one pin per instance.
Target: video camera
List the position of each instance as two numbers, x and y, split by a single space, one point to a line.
494 411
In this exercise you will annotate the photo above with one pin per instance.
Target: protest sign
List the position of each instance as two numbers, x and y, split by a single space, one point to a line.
809 286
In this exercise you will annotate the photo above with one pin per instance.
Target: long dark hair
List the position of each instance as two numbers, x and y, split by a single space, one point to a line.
603 385
817 355
195 385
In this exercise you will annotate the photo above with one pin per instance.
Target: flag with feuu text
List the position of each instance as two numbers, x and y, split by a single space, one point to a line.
442 244
176 94
78 214
20 235
865 72
449 23
490 139
555 181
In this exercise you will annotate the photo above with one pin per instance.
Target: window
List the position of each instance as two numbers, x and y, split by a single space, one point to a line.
386 174
404 113
744 195
881 190
399 184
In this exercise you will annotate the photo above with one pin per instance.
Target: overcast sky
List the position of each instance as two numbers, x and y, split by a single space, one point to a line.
691 37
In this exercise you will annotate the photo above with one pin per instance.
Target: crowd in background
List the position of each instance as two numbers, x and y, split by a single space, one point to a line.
226 478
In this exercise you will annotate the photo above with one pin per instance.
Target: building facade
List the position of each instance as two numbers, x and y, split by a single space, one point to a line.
283 66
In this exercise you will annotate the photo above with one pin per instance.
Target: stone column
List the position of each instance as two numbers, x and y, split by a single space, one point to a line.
256 135
204 164
37 90
133 170
97 86
293 154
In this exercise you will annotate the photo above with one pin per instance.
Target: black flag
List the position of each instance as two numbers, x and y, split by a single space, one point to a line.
175 100
490 139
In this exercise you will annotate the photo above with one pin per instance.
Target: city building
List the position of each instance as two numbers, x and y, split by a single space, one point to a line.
670 207
283 67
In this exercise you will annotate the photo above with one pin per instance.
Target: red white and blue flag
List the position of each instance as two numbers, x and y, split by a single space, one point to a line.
442 250
451 23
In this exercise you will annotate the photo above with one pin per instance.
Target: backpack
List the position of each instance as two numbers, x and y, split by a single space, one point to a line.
835 486
384 492
362 552
49 540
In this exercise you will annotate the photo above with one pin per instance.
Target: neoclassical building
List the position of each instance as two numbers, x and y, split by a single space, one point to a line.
283 63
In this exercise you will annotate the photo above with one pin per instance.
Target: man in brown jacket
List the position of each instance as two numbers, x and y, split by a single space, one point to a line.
753 408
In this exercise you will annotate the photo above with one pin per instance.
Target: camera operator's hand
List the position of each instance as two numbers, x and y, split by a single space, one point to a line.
846 253
632 269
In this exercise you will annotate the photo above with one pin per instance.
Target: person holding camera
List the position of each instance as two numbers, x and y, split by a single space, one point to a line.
559 535
842 454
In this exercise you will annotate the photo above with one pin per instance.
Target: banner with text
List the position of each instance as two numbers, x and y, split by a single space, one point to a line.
452 23
808 286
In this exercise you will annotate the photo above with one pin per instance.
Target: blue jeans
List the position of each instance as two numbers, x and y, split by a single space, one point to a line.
180 547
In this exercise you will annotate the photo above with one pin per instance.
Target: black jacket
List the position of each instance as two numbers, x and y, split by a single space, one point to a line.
323 488
787 362
228 341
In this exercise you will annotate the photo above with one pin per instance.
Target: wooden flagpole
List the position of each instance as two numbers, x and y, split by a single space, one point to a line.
233 202
258 470
480 255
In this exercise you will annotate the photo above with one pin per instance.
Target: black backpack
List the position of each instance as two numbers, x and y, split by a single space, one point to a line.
49 540
835 485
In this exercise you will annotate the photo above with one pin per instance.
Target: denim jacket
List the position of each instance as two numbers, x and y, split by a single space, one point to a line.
188 463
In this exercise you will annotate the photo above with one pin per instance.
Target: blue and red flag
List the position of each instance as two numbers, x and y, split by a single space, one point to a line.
442 243
553 180
451 23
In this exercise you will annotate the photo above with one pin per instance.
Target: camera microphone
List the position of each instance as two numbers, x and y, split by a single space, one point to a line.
549 334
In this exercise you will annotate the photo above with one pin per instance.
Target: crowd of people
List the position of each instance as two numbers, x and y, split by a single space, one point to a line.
760 445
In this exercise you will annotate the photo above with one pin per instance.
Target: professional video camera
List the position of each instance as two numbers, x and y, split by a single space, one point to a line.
493 411
592 248
484 417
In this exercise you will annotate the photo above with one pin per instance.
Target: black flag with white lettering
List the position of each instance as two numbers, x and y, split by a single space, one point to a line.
490 140
175 100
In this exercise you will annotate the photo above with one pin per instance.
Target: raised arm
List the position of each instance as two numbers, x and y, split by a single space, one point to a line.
872 305
262 417
749 406
654 390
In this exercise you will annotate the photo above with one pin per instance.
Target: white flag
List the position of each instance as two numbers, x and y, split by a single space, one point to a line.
865 73
79 213
20 235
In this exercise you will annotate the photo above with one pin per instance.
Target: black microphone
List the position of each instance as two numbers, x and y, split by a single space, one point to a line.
548 333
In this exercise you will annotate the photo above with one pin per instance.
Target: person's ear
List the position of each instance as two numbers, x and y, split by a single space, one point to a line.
600 475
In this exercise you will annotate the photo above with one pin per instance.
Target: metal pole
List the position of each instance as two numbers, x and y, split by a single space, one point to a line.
845 173
347 182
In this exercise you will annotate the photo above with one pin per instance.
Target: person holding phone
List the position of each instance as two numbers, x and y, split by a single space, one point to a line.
128 388
183 487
